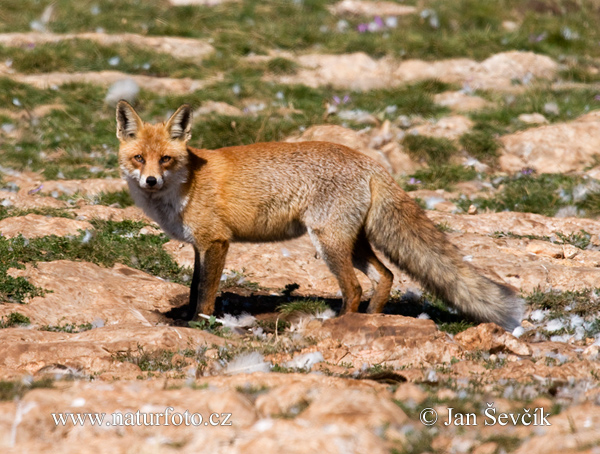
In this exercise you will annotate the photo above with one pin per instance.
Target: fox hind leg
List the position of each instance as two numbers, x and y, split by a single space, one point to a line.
365 260
338 257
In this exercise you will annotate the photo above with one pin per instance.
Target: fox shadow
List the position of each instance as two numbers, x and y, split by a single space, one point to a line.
258 304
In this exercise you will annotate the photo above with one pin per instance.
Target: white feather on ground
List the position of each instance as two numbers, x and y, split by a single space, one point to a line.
306 361
126 89
248 363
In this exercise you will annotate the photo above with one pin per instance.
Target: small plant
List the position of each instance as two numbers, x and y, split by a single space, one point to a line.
279 65
455 327
10 390
158 360
14 319
68 328
481 144
443 176
306 306
432 150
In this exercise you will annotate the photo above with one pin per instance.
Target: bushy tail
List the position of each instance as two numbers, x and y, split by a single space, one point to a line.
399 228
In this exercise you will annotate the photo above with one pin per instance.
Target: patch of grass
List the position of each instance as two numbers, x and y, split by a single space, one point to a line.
121 198
68 328
456 327
10 390
580 302
481 144
580 240
432 150
441 176
158 360
83 55
531 194
280 65
555 105
14 319
305 306
111 242
506 443
8 212
237 279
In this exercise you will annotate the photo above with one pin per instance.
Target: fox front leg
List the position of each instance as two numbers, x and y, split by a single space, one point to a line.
208 267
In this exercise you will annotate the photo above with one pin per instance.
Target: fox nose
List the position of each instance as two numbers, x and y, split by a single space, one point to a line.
151 181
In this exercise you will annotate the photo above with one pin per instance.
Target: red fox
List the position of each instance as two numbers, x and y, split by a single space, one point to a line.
347 203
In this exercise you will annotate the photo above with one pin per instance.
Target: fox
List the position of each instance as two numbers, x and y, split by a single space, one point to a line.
347 203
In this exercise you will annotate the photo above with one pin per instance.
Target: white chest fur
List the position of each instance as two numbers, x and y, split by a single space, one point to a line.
165 207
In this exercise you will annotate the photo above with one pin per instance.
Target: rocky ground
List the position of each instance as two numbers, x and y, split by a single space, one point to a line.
489 116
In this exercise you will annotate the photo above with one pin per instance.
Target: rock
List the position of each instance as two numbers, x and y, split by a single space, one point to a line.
533 119
545 248
562 438
160 85
88 187
371 8
517 223
358 71
410 393
497 73
387 340
182 48
489 337
556 148
35 225
25 201
94 351
219 108
447 127
82 292
458 101
104 213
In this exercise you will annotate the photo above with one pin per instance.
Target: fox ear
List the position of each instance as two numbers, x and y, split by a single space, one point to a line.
128 121
180 123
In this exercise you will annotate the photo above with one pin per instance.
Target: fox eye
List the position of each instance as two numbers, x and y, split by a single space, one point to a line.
139 158
165 159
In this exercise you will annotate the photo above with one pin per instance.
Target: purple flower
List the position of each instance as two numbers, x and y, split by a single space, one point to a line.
597 98
346 99
336 100
38 189
362 28
527 171
414 181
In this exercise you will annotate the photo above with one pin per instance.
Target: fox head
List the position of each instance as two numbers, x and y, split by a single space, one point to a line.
153 156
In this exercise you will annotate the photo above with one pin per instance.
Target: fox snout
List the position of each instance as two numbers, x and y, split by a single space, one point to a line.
151 182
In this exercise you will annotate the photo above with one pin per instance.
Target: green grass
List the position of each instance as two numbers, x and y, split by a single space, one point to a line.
158 360
502 117
531 194
68 328
432 150
306 306
580 302
83 55
111 242
481 144
10 390
580 239
14 319
440 176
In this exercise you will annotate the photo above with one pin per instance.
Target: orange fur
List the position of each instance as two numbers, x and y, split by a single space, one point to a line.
346 202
